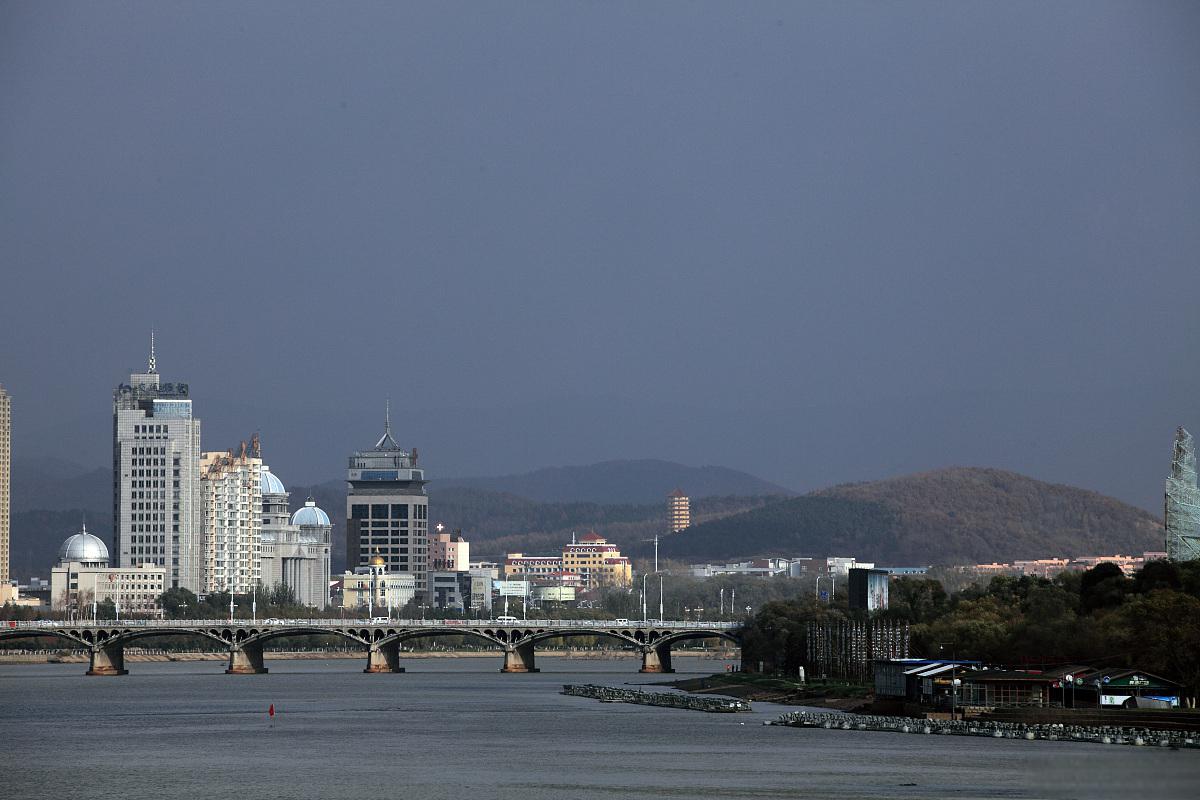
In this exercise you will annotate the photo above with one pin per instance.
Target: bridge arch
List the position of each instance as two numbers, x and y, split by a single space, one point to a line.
565 633
34 633
683 636
403 635
259 637
125 636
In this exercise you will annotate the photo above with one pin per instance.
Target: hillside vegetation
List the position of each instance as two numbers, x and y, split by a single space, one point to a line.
950 516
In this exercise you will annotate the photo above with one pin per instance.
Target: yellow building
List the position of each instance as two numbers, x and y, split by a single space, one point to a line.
679 511
597 562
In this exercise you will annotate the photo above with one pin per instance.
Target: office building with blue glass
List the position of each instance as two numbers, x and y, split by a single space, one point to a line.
387 510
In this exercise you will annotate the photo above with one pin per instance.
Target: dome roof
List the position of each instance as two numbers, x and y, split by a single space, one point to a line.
270 483
310 515
377 561
83 546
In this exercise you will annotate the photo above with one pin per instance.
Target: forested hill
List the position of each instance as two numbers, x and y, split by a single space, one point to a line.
960 515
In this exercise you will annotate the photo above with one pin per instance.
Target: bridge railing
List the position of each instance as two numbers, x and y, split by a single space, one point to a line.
449 624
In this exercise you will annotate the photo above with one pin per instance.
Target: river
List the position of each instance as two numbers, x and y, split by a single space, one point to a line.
457 728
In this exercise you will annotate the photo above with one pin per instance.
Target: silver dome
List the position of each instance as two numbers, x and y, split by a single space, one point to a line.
83 546
270 483
310 515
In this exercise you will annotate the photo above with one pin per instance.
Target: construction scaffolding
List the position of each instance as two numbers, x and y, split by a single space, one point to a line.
847 649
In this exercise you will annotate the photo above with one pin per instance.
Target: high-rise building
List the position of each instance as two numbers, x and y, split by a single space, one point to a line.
5 487
295 549
679 511
1183 501
231 499
156 477
387 510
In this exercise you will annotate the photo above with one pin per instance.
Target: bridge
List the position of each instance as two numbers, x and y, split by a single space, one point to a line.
244 639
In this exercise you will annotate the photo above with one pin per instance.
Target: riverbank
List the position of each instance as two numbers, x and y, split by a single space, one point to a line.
836 695
135 655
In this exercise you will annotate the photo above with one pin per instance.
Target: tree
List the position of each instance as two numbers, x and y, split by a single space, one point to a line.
1102 586
178 603
916 599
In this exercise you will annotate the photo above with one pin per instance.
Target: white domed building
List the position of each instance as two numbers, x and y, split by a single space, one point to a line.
83 578
295 550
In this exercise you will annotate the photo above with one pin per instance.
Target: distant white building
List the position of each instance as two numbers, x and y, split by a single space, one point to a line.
84 578
375 592
762 567
296 549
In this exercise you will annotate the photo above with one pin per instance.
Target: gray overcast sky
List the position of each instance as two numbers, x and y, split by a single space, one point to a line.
817 241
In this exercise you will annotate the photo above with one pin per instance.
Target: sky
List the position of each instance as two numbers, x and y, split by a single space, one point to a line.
819 242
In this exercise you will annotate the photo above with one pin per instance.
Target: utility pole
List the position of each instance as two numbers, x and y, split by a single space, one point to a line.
644 615
660 598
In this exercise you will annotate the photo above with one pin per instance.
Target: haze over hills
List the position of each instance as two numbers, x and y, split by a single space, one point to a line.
960 515
957 515
639 481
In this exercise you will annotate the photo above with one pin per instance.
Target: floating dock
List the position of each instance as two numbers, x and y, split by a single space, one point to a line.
609 694
996 730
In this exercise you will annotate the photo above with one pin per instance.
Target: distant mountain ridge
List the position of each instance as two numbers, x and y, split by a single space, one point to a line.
959 515
638 482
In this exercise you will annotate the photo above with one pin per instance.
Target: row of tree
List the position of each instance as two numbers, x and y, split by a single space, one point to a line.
1099 618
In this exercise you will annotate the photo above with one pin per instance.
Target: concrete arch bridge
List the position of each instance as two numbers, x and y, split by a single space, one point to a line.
244 640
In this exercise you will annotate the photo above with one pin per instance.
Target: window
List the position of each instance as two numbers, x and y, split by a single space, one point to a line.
379 511
399 511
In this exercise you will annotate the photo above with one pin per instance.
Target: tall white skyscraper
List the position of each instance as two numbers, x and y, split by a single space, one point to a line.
156 477
231 500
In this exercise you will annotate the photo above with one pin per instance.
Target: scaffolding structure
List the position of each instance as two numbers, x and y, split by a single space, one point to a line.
847 649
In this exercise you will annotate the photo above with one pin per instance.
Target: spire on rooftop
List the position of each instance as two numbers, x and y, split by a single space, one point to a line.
387 442
153 361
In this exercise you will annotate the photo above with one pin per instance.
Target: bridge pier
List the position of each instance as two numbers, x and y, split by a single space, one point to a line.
246 660
107 660
519 658
656 659
385 658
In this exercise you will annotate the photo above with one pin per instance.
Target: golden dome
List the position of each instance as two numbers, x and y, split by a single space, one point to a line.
377 561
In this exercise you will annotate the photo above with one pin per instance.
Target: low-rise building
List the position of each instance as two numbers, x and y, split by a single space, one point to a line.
83 578
449 552
376 591
597 562
591 559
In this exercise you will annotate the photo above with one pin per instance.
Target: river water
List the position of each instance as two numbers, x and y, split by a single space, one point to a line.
457 728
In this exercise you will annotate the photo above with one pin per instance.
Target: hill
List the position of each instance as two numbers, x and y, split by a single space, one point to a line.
58 485
960 515
636 482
